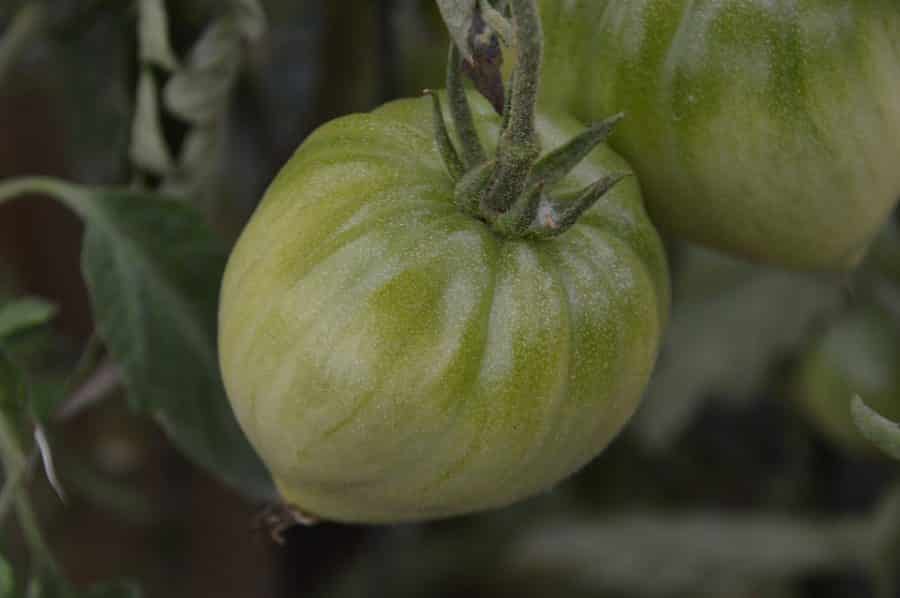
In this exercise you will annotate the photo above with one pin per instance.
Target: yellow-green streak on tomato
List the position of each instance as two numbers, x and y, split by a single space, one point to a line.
859 355
766 129
392 358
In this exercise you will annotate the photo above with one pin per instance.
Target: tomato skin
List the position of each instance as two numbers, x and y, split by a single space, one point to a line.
770 130
393 359
858 355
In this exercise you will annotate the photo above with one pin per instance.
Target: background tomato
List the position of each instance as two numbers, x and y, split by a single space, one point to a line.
858 355
392 358
767 129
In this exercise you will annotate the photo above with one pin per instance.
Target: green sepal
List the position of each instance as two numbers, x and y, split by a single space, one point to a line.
550 169
560 216
463 122
508 190
445 146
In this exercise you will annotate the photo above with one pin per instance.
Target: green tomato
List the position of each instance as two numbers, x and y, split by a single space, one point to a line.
770 130
858 355
392 358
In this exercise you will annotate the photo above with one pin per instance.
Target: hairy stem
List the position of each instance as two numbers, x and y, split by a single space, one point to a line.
472 152
518 146
530 45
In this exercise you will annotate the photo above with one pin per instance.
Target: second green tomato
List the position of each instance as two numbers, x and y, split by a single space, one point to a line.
770 130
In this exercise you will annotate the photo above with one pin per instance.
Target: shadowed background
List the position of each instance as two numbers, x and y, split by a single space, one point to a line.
719 457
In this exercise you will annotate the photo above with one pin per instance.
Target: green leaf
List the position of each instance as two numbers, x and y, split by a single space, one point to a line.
153 269
7 580
459 16
148 150
153 35
22 314
199 92
878 429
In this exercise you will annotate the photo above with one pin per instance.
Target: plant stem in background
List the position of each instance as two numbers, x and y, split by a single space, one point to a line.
31 20
15 465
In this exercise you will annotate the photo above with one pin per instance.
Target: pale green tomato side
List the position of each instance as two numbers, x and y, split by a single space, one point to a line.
859 355
393 359
768 129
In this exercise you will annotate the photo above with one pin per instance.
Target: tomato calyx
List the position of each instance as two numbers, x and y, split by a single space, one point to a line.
509 191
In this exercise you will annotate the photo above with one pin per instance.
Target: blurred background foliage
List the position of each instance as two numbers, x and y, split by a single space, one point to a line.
741 476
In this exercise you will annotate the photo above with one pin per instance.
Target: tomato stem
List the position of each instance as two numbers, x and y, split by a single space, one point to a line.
519 146
463 123
508 190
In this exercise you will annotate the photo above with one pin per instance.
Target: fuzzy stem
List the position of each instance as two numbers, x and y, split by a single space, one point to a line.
451 159
472 152
518 146
530 45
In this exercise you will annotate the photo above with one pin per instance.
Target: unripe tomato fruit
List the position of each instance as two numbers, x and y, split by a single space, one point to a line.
858 355
768 129
394 359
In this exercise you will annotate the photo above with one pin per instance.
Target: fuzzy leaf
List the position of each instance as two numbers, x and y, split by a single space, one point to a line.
153 269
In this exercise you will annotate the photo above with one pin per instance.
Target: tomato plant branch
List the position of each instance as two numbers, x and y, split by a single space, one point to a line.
509 190
463 123
519 146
